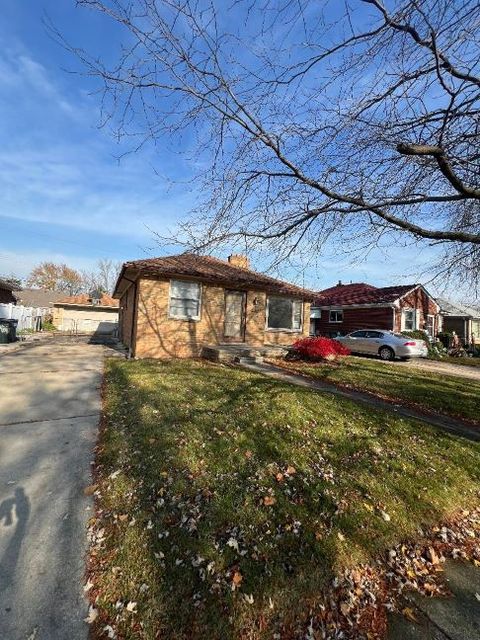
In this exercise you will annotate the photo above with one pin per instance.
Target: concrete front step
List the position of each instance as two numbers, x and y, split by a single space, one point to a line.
241 353
248 360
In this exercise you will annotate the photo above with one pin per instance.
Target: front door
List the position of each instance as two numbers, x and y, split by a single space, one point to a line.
234 329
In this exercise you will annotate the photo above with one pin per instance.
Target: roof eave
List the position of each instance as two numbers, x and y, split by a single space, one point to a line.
305 295
364 305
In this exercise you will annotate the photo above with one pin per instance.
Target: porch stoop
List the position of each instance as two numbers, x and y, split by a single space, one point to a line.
241 353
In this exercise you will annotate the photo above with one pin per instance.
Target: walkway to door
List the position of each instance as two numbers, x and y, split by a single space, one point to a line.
447 423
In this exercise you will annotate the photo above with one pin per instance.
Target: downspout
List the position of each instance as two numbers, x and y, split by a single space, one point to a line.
134 311
134 318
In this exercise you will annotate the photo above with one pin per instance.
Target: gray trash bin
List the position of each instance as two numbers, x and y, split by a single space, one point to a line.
8 330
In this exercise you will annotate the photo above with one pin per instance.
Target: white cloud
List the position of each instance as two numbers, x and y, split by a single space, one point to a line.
56 168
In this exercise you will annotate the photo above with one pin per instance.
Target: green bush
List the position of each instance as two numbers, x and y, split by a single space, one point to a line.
445 338
48 326
418 335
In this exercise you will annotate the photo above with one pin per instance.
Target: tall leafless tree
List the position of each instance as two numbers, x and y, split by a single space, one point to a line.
357 120
103 277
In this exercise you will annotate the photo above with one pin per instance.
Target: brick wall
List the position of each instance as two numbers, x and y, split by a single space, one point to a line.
355 318
421 302
158 336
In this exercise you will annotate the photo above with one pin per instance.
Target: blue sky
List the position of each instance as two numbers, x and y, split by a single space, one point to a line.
64 194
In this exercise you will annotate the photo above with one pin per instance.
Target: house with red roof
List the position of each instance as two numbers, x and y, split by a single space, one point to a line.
180 306
350 307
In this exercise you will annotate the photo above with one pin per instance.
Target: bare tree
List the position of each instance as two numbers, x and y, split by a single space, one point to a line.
356 120
104 277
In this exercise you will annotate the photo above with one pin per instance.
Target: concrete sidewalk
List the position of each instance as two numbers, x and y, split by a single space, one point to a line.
446 423
454 618
49 412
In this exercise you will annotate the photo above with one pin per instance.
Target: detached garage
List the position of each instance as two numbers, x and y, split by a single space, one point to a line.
86 314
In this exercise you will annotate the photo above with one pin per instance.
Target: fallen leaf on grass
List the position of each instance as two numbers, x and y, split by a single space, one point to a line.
90 490
248 454
408 613
110 632
385 516
432 556
248 598
340 536
477 596
233 543
237 578
88 586
290 470
268 501
92 615
132 607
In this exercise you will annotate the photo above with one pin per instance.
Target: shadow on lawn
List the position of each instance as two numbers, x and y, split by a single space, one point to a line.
222 443
446 395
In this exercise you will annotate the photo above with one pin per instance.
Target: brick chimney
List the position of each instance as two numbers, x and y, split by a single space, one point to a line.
239 260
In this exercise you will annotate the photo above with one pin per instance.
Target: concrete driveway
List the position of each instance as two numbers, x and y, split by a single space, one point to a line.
49 414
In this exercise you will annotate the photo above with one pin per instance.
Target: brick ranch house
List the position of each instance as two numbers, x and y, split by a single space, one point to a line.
348 307
6 293
175 306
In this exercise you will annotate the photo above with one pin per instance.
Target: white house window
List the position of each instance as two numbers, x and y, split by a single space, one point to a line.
284 313
409 317
336 315
430 325
184 300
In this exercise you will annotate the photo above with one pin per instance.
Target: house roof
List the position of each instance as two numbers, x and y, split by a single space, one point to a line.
85 300
37 297
361 293
6 285
211 270
457 309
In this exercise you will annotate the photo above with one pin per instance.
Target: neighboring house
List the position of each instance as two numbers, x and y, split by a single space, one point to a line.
348 307
462 319
6 293
86 314
174 306
39 298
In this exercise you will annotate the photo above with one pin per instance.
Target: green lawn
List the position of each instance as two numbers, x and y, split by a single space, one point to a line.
450 395
236 498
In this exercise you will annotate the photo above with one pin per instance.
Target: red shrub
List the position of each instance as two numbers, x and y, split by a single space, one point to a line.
320 348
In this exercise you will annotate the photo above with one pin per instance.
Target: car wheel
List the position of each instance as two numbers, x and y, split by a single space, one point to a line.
386 353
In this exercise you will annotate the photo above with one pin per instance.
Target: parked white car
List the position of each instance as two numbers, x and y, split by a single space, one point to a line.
386 344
